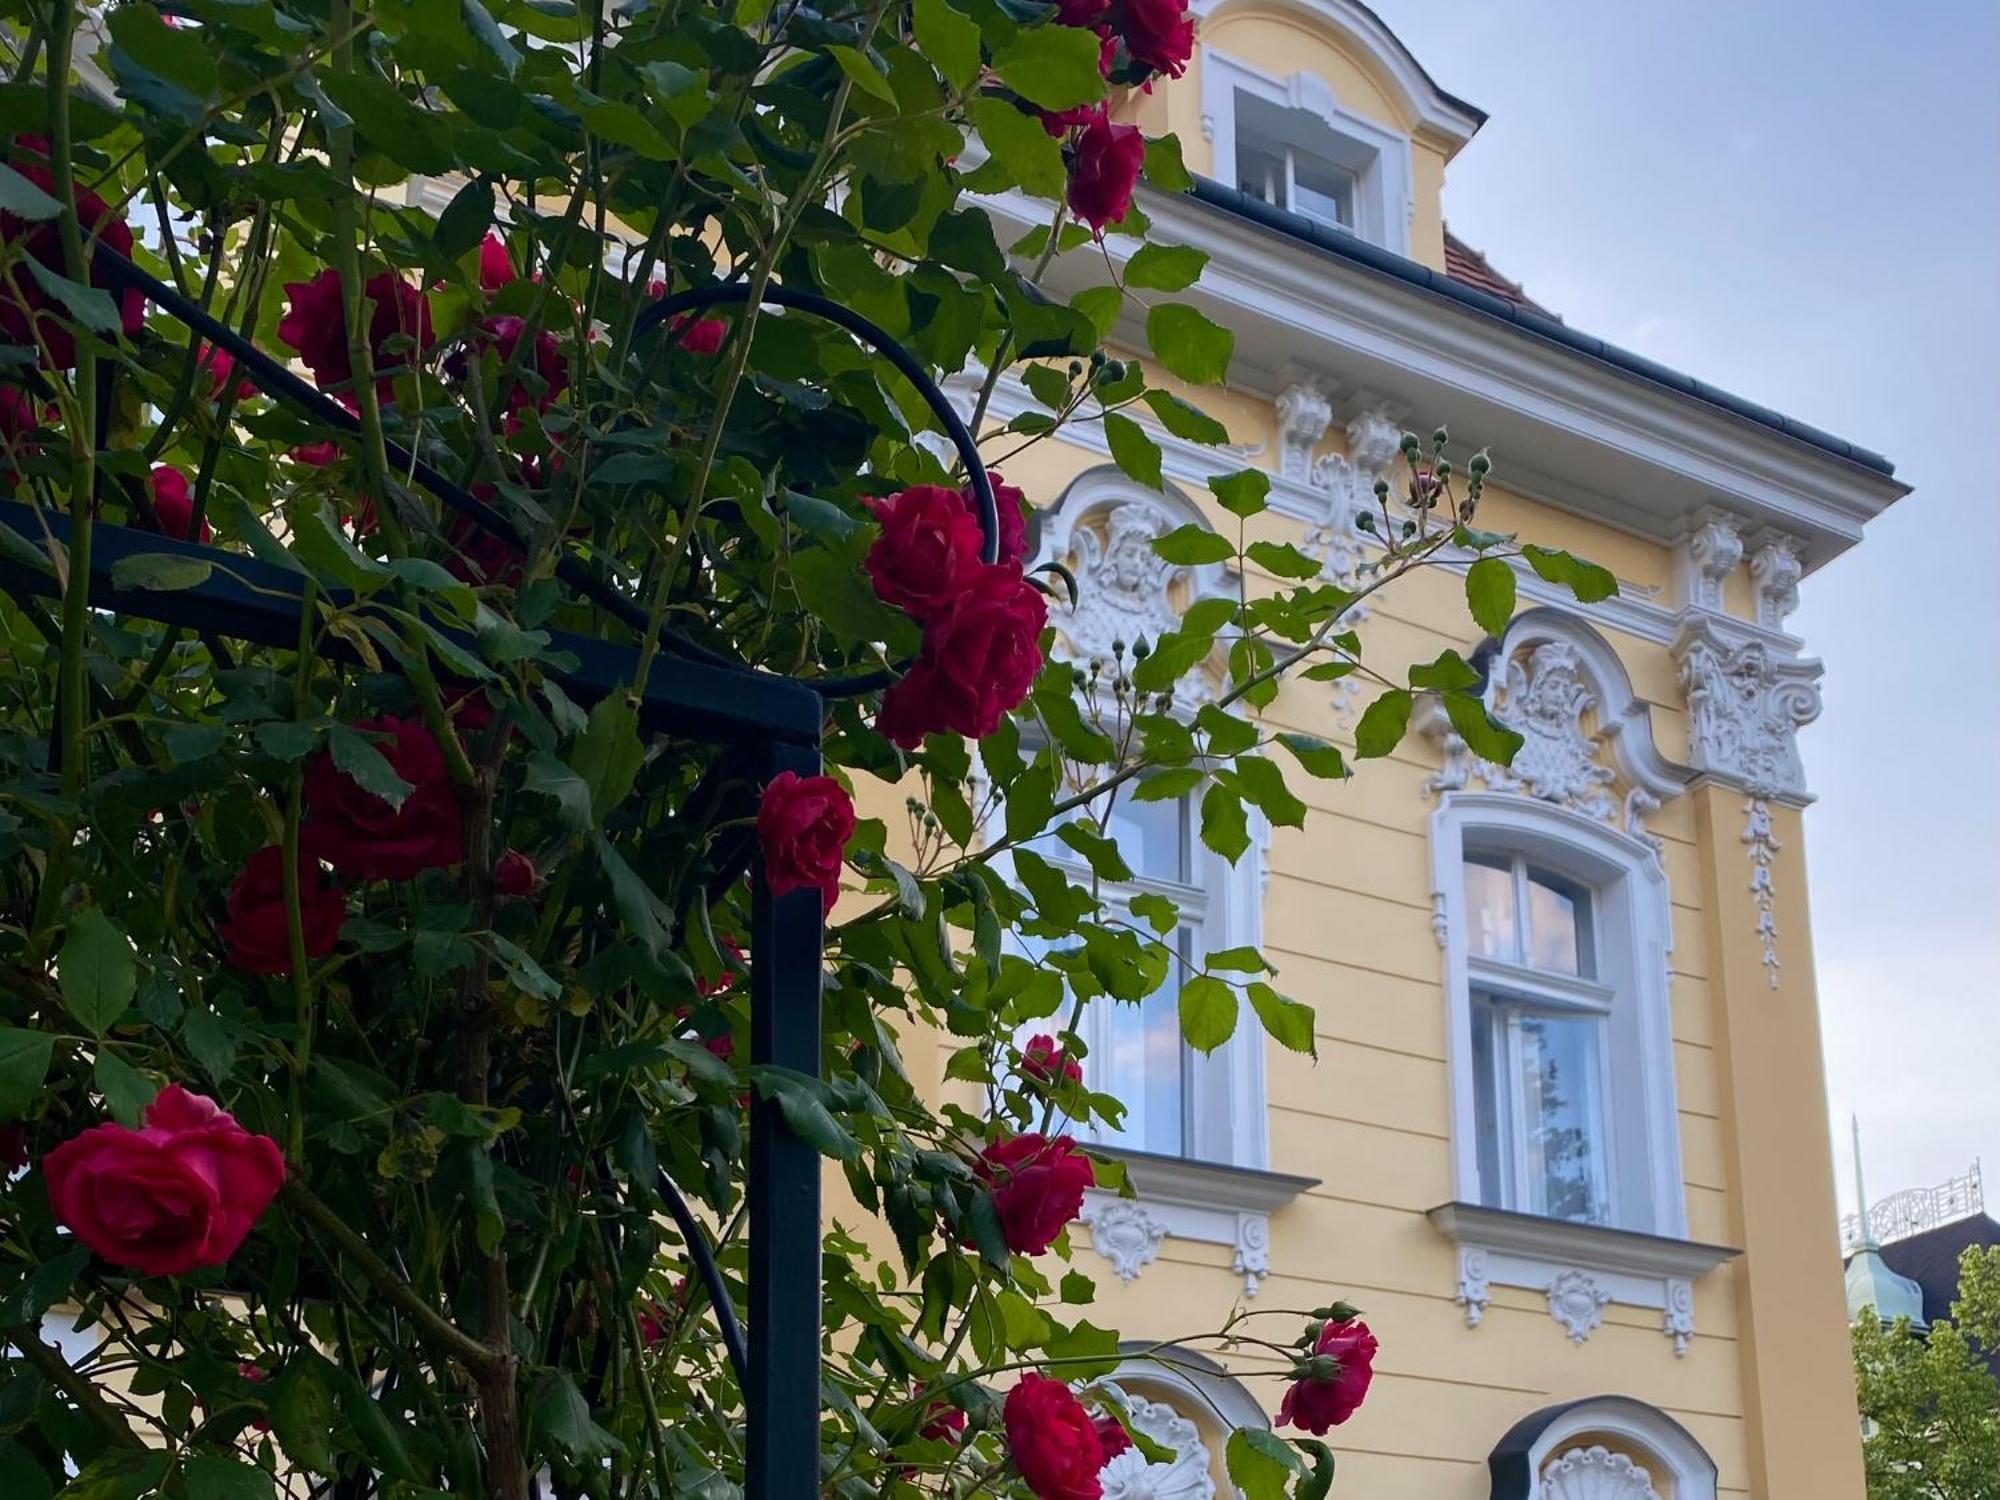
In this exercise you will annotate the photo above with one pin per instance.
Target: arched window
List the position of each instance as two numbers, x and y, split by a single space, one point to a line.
1603 1448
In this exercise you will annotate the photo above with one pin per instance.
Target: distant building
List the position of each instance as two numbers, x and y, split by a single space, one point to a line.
1903 1252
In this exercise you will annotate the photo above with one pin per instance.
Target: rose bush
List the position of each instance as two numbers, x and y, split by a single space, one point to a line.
362 982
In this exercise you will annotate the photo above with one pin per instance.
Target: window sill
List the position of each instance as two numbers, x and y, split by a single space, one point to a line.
1578 1267
1194 1200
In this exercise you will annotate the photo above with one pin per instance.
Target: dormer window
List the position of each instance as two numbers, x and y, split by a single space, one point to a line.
1287 177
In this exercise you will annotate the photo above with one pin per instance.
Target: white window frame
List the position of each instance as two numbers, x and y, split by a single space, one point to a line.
1314 123
1633 938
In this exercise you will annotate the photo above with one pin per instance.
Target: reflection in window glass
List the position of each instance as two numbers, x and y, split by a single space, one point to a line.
1558 925
1562 1116
1322 191
1260 172
1152 836
1489 899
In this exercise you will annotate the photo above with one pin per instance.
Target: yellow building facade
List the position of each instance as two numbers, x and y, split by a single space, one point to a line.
1564 1142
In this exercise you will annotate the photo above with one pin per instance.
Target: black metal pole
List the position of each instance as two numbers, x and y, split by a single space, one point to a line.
781 1459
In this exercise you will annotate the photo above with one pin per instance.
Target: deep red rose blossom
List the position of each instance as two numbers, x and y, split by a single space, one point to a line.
803 824
173 503
703 335
1037 1186
928 549
503 337
515 874
496 266
30 311
943 1423
1011 506
1112 1434
1081 12
180 1193
256 935
361 835
1335 1378
1046 1063
1108 160
980 658
315 324
1053 1441
1060 122
1157 33
221 367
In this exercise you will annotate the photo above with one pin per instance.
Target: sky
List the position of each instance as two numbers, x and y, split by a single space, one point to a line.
1799 201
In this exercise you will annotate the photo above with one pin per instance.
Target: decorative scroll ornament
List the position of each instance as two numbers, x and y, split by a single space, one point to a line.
1125 1234
1253 1251
1746 705
1474 1290
1577 1302
1707 557
1764 847
1677 1319
1186 1476
1596 1473
1775 571
1544 693
1125 591
1304 411
1348 483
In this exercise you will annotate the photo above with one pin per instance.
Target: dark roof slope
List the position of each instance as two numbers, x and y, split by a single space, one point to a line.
1463 263
1930 1259
1347 247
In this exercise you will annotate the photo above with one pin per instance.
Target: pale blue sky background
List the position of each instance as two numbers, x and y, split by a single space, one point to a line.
1799 200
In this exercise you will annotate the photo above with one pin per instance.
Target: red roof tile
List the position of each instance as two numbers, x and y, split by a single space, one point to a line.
1463 263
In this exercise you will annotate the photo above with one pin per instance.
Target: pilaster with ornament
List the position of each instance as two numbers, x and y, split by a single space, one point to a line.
1776 567
1707 556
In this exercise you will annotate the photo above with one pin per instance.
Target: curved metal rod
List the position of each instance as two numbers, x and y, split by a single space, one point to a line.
711 1277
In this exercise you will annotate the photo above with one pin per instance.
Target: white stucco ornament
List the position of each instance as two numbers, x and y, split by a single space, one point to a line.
1577 1302
1124 1233
1596 1473
1131 1476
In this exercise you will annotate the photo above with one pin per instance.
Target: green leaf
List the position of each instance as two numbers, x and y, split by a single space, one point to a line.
1188 344
96 970
302 1411
1185 420
1242 493
119 1475
1383 724
645 916
1585 580
1316 1484
549 776
23 199
1192 545
161 572
1316 755
949 40
90 306
1260 1463
1263 783
21 1476
609 752
356 755
1489 593
1289 1022
24 1064
1134 452
1449 673
624 125
1236 961
839 594
1052 67
1208 1012
1165 268
1484 735
464 222
1164 168
1106 861
867 77
216 1476
1283 560
1155 910
1025 152
126 1091
378 1434
1224 826
1087 1352
802 1102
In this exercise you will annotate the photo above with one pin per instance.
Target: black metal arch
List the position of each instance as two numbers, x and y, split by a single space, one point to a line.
768 723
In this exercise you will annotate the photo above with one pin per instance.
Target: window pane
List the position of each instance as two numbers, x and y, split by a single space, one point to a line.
1322 190
1558 925
1152 836
1493 931
1142 1066
1260 173
1562 1116
1488 1109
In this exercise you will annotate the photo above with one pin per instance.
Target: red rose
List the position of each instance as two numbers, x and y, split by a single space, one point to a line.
361 835
515 874
1052 1440
496 266
256 935
943 1423
481 556
503 336
1011 506
980 658
1112 1434
221 365
1106 169
1157 33
703 336
1037 1186
30 313
803 824
928 548
709 986
182 1192
1060 122
315 324
1333 1381
1081 12
18 418
173 503
1045 1062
